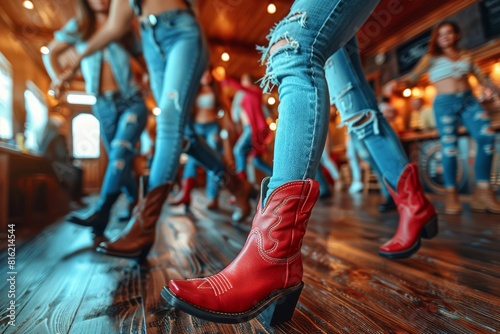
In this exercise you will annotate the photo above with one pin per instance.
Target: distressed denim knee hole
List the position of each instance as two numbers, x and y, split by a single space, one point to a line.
450 152
486 130
449 139
119 164
131 118
174 96
122 143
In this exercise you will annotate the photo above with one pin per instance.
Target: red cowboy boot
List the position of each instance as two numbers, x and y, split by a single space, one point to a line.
266 277
184 195
417 217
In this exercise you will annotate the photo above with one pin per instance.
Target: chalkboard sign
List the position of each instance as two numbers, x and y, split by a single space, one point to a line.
490 10
410 52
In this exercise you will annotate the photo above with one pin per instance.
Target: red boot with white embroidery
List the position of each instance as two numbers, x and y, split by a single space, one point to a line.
266 277
417 216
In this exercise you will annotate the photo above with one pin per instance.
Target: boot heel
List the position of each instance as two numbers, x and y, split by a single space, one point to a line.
282 310
430 230
143 256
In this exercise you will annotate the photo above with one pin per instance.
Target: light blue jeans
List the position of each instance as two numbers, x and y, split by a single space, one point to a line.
210 133
242 149
361 150
313 30
176 55
122 119
354 98
450 111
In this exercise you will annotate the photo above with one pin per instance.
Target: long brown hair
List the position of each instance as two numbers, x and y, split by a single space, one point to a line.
434 48
86 19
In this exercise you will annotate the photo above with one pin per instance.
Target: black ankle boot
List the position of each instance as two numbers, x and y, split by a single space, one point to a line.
99 219
389 205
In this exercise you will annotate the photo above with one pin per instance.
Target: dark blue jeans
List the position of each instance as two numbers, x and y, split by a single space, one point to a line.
122 120
210 133
242 149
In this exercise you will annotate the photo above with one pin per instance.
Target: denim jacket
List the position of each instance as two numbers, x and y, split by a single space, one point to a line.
118 58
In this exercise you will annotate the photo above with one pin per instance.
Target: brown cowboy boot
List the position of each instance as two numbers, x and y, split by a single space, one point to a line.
138 237
484 200
242 191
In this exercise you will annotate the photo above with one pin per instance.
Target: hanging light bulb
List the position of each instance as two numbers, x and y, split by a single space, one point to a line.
28 4
271 8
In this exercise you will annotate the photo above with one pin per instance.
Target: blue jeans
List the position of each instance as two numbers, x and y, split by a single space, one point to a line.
210 133
313 31
362 150
450 111
352 156
176 55
122 119
242 149
354 98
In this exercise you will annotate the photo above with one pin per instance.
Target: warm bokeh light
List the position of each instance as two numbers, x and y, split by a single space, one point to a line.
219 73
45 50
430 92
225 56
28 4
156 111
407 92
398 102
472 81
272 126
495 73
271 100
417 92
271 8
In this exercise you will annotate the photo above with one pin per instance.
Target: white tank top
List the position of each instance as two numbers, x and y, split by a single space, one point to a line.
443 67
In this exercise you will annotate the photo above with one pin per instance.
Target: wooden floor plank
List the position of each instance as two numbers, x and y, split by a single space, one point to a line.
113 299
450 286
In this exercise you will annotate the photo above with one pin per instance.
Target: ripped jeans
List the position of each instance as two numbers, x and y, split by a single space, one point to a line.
354 98
242 149
450 111
298 48
210 133
122 121
176 55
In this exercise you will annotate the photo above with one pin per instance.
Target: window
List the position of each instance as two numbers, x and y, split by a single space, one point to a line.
85 129
37 114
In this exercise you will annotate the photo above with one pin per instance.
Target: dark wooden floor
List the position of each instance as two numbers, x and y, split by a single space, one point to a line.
451 286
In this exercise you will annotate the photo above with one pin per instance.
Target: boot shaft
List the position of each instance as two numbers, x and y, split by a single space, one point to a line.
282 221
150 204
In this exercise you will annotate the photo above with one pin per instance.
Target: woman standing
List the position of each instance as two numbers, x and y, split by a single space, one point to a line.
448 67
248 110
176 56
119 106
266 276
